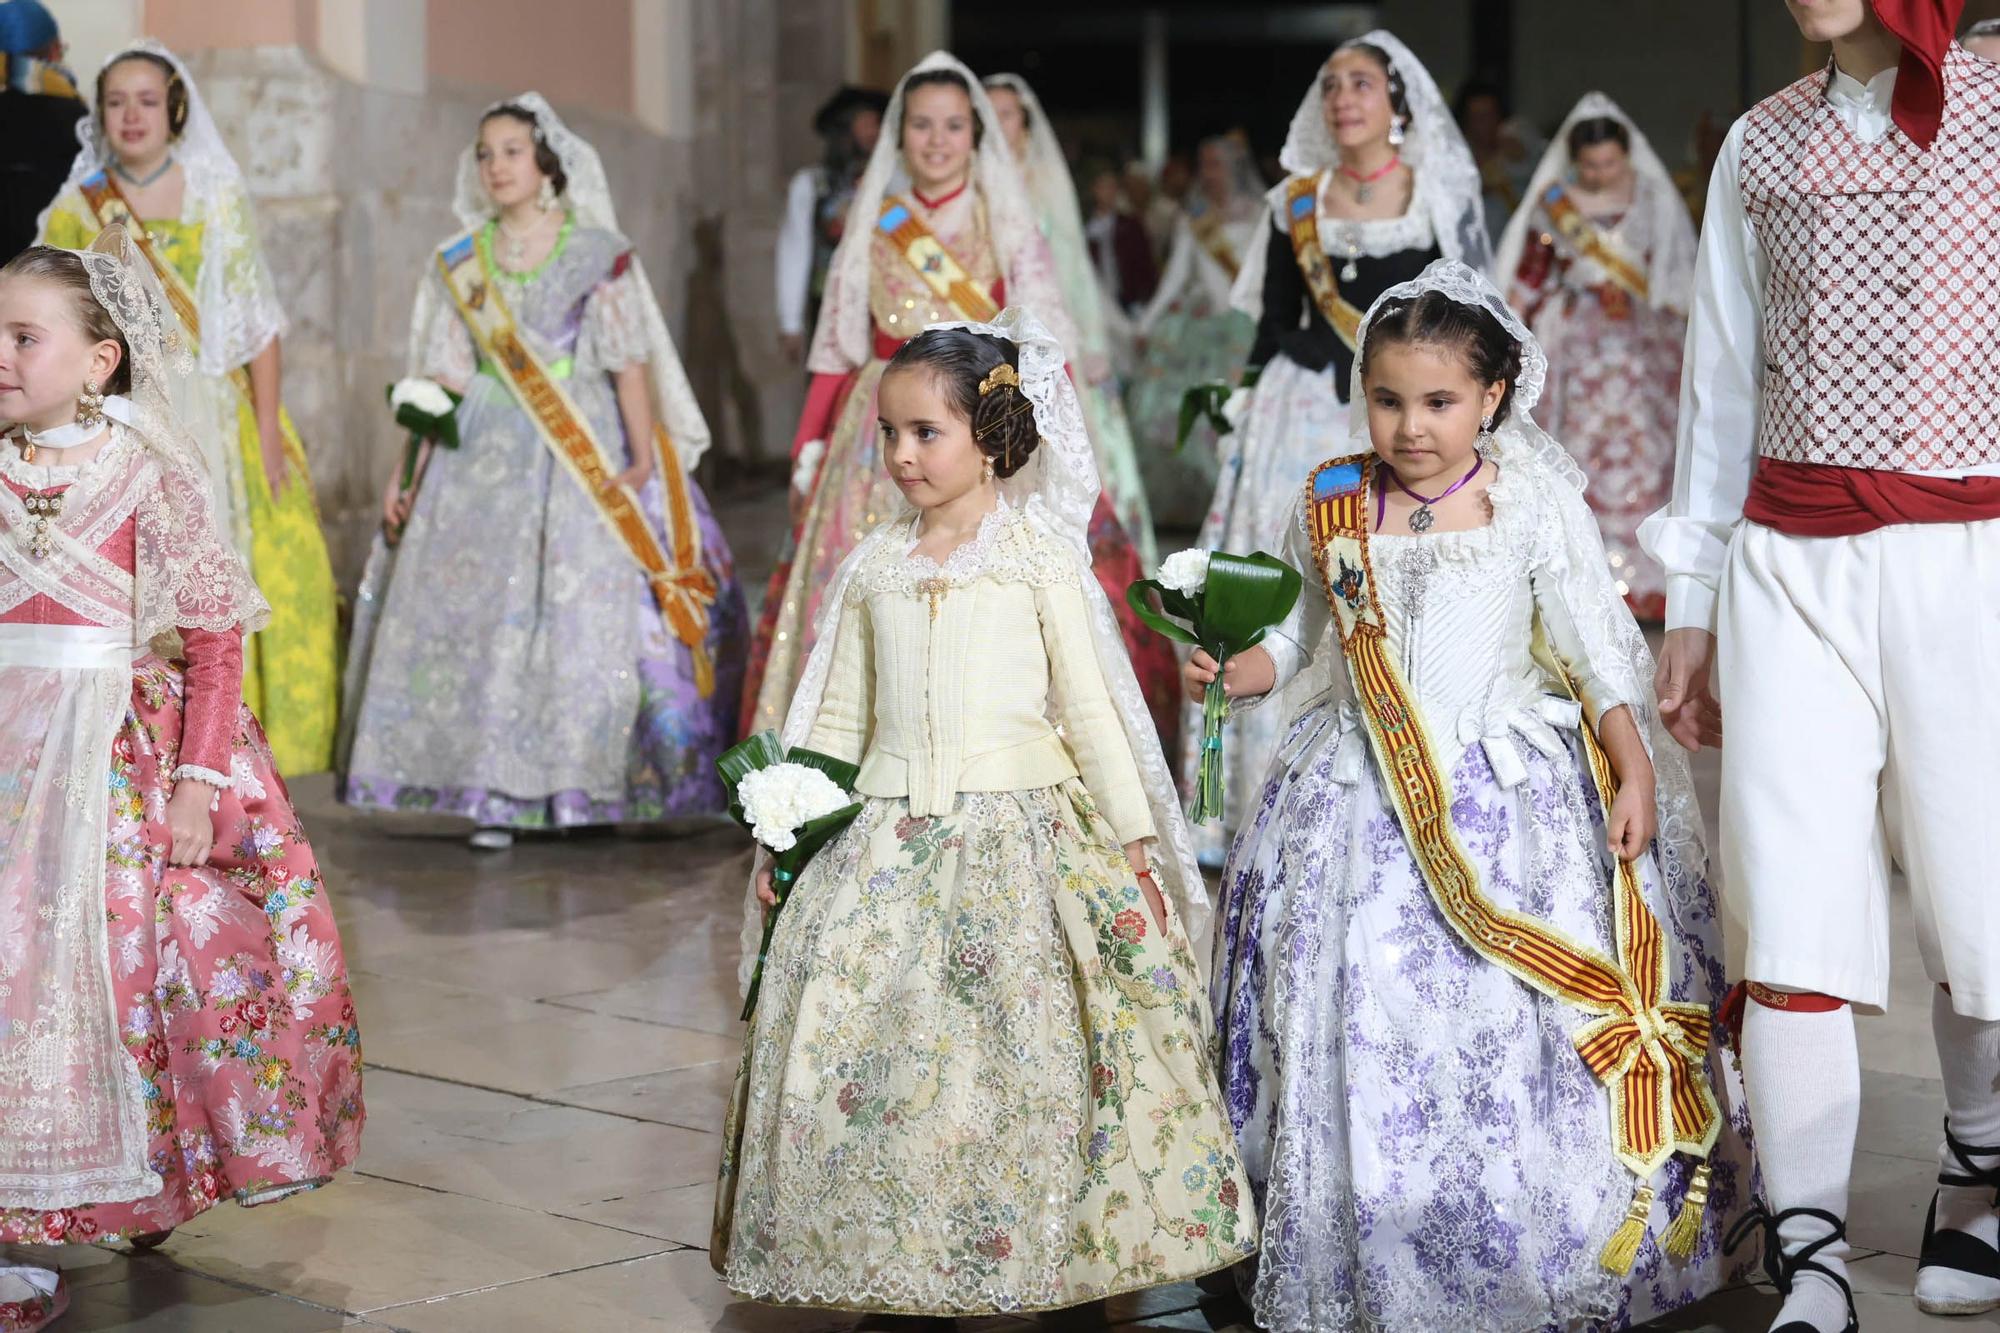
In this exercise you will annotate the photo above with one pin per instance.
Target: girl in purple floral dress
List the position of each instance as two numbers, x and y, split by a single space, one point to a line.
1448 1125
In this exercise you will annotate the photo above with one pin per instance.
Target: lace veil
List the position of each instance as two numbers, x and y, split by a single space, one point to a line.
1661 226
588 195
1058 490
1447 179
233 291
1617 648
844 337
1246 183
187 573
1052 191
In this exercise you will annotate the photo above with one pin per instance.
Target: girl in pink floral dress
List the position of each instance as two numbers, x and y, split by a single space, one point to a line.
175 1022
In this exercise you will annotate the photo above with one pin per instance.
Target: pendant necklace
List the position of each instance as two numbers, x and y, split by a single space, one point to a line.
516 243
1351 270
142 182
29 442
1364 185
1421 518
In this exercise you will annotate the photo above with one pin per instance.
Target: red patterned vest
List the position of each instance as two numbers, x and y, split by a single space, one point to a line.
1882 311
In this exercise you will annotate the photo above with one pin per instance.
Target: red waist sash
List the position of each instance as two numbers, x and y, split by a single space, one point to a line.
1815 500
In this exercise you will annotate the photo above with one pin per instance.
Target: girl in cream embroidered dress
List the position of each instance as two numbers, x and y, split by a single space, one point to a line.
978 1075
1427 1147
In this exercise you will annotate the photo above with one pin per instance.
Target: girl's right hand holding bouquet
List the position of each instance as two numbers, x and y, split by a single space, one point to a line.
1246 675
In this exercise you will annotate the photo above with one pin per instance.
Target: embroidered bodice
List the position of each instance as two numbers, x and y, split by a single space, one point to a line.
902 303
99 517
977 674
1460 610
578 310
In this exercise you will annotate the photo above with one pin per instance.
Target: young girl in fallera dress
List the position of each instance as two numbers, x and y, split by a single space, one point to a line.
1456 979
978 1076
175 999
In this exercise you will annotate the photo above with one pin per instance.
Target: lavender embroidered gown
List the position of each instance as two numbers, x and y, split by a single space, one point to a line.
1428 1148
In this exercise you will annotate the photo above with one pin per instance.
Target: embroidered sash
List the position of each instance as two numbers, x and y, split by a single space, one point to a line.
1214 238
1302 216
943 274
683 589
1647 1049
1590 241
101 193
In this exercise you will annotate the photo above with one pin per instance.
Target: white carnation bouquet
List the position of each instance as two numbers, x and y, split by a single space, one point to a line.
429 411
794 803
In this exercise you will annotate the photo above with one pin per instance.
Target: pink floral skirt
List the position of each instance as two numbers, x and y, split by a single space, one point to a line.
232 992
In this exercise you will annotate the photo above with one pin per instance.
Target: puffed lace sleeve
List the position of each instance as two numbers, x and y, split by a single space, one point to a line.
240 313
614 321
1589 627
1293 641
447 354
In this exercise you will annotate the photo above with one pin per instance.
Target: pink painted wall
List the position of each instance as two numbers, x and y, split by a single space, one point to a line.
194 25
576 55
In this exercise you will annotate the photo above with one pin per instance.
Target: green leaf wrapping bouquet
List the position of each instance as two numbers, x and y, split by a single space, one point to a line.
1227 603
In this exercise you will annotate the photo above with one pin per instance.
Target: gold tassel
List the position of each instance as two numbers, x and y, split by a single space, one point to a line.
1685 1233
1623 1247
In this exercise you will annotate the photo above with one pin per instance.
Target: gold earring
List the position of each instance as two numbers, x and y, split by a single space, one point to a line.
90 406
986 471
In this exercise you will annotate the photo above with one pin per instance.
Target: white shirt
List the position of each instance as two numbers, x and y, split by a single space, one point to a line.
1723 371
795 250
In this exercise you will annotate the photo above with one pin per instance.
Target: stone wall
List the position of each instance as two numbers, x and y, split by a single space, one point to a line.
353 186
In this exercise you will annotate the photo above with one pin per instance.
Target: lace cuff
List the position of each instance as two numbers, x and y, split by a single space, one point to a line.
219 781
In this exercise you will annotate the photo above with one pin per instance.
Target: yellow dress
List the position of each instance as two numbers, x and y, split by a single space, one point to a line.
291 668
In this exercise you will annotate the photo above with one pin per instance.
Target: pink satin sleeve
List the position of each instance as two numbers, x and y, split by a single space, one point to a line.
214 696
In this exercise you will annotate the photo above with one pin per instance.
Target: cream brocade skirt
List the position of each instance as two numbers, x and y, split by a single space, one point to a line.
978 1078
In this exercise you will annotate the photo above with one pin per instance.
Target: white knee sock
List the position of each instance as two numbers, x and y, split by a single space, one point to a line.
1969 1051
1802 1073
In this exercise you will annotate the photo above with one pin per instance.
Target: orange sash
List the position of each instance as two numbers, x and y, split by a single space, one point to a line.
943 274
1591 242
1302 216
683 589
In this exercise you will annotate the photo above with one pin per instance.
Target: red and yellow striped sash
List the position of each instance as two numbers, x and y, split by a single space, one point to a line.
1647 1049
1302 218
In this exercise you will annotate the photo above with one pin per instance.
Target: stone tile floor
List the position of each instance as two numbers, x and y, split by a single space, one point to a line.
551 1033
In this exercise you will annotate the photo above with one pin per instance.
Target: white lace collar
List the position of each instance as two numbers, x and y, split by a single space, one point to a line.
1375 237
48 477
1008 548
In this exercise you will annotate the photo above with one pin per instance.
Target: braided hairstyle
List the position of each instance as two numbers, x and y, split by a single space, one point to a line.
177 93
960 362
1432 319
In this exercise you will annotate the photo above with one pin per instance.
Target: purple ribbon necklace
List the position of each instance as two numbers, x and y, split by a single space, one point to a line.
1421 518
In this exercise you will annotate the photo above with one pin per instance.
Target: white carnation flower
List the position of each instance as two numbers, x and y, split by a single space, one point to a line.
807 466
781 799
1236 407
427 396
1185 572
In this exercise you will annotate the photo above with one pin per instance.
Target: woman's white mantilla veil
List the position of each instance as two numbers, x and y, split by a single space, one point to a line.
1052 192
234 294
1057 490
1657 208
1611 637
844 337
1447 179
588 196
